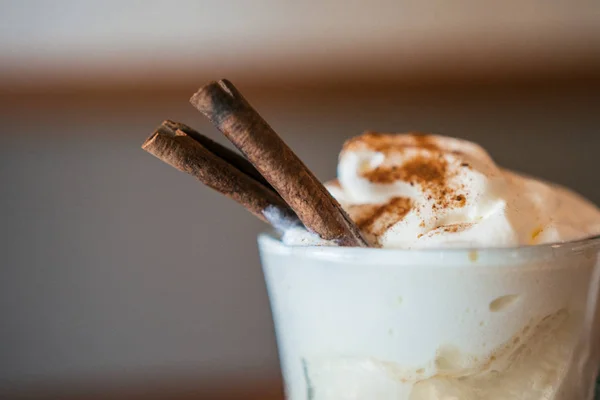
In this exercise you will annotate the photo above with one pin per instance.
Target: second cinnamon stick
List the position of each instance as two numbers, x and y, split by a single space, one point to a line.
231 113
219 168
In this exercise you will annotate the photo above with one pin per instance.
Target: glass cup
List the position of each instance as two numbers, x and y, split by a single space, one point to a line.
516 323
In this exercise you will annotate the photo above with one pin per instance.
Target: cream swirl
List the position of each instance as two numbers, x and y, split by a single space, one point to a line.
424 191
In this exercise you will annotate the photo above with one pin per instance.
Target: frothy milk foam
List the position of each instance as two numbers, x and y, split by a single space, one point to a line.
489 322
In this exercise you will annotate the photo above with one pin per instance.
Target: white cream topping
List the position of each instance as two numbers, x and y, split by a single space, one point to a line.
425 191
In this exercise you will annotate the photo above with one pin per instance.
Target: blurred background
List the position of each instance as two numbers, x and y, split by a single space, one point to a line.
123 278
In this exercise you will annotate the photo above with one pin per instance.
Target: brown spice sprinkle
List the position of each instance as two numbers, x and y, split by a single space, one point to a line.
421 169
389 142
424 141
428 168
375 219
453 228
364 214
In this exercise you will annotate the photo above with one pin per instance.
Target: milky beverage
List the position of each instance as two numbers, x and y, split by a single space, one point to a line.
470 292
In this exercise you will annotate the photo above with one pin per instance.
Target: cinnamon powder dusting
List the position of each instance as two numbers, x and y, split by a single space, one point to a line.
424 141
386 142
453 228
421 170
375 219
428 168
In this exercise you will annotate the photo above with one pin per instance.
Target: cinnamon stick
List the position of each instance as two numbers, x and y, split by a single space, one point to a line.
231 113
221 169
220 151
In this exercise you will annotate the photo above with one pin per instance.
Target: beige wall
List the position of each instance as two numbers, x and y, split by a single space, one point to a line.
134 40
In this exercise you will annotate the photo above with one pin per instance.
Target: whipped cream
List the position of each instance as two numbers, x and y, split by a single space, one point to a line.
468 324
493 324
426 191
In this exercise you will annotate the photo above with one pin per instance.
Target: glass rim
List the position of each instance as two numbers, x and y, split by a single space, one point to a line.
270 242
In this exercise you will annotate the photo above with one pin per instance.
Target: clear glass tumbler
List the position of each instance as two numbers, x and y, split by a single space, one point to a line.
462 324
